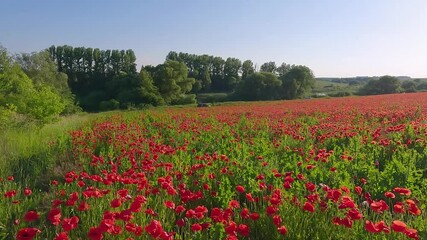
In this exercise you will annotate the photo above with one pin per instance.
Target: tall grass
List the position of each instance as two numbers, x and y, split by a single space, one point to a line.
31 151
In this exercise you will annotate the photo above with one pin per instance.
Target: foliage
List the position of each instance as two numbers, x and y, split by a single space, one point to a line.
172 81
42 70
297 82
384 85
19 95
258 86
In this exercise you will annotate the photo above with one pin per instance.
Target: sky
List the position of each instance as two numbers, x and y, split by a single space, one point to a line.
335 38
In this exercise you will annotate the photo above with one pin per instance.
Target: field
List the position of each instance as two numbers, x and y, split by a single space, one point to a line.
344 168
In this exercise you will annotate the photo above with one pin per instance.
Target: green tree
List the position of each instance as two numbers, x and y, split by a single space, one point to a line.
383 85
133 90
297 82
283 69
247 68
268 67
19 95
409 86
231 73
42 70
258 86
171 78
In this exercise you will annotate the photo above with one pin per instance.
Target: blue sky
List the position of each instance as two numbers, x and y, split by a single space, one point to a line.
336 38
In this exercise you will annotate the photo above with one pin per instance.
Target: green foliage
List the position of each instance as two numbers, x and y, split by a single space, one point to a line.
172 81
409 86
44 104
258 86
297 82
109 105
384 85
268 67
18 94
42 70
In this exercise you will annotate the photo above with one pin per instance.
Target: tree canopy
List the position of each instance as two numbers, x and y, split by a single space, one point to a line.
383 85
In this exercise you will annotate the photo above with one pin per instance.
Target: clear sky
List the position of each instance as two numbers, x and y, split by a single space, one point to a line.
335 38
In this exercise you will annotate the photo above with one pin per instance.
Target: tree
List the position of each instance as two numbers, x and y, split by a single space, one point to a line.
283 69
258 86
231 73
409 86
172 81
133 89
297 82
384 85
268 67
19 95
217 74
247 68
42 70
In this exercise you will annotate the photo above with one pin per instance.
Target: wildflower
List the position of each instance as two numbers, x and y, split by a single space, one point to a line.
31 216
27 233
398 226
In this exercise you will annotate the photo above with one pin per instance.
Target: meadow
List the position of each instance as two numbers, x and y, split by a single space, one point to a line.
339 168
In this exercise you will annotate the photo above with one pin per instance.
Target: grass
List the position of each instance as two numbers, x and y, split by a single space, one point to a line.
31 151
328 87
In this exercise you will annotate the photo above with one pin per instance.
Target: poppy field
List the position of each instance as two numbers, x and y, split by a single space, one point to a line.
345 168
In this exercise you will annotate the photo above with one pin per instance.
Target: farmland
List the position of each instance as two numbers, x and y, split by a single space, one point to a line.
346 168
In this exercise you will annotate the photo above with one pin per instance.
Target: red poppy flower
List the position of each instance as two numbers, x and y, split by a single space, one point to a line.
61 236
231 228
411 233
398 226
115 203
254 216
310 187
234 204
27 192
402 191
358 190
31 216
389 195
282 230
169 204
244 213
83 206
354 214
371 227
27 233
412 208
379 206
277 220
271 210
240 189
155 229
54 216
196 227
69 224
95 234
179 209
243 230
399 207
309 207
180 222
10 194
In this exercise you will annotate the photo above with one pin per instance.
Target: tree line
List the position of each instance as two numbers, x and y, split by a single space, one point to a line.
108 79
